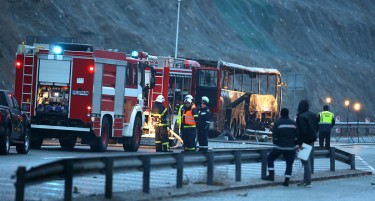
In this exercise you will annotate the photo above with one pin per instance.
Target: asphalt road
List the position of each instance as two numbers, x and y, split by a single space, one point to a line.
87 186
346 189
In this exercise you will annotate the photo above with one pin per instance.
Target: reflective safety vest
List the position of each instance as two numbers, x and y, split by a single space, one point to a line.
160 119
189 118
326 117
179 116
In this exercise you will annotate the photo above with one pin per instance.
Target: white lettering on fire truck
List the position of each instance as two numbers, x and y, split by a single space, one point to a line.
80 80
80 93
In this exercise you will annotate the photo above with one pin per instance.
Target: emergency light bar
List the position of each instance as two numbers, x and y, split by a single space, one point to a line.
134 54
57 50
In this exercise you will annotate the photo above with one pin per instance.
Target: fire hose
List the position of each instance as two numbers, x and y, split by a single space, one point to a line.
175 135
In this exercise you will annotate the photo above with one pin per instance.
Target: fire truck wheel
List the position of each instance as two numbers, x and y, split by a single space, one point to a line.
132 143
68 143
25 146
36 142
5 143
101 143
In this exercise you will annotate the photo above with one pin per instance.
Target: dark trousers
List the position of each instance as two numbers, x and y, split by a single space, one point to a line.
202 138
161 138
307 166
289 156
188 136
325 136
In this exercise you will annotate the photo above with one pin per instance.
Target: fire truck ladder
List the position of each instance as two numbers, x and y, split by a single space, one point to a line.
158 76
28 78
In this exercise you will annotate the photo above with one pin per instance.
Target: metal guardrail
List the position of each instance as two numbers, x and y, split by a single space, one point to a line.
69 168
352 130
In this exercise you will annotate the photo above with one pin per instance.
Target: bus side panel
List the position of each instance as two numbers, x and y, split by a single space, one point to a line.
81 88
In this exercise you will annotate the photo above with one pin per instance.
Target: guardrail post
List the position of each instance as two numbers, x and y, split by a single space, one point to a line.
263 156
146 173
312 159
332 157
20 183
238 158
180 169
210 168
352 161
108 177
68 170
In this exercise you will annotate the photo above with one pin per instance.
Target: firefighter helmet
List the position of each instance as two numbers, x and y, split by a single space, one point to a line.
188 100
189 96
205 100
160 99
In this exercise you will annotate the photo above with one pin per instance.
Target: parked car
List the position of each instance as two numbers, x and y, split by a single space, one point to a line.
14 125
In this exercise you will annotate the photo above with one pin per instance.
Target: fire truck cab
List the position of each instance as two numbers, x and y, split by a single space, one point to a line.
72 91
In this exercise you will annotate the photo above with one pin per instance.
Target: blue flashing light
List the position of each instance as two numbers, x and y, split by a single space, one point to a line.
48 108
58 108
135 54
57 50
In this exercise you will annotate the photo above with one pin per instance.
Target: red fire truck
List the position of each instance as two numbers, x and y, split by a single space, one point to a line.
72 91
173 81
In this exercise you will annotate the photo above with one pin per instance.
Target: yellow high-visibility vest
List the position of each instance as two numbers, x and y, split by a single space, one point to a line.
326 117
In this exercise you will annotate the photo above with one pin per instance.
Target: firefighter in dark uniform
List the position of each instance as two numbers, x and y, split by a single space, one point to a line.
326 122
204 120
159 114
285 138
188 125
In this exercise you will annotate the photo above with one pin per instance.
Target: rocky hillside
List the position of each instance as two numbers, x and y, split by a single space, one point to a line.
331 43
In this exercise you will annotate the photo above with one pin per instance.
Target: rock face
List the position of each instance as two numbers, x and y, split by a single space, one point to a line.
330 45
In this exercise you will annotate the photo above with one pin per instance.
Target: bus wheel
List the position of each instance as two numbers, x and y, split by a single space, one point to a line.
68 143
132 143
101 143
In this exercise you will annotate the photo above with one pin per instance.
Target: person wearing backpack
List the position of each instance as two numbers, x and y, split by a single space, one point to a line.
307 126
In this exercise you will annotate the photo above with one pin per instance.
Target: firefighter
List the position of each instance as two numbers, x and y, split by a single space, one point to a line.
159 114
326 122
178 120
188 125
204 120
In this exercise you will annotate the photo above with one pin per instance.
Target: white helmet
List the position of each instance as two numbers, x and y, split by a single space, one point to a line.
160 99
188 100
189 96
205 100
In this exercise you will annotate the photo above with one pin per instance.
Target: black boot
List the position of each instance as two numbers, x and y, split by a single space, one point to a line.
158 147
286 182
271 176
166 147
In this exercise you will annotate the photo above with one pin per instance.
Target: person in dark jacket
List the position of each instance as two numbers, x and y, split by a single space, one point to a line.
307 126
204 120
284 137
326 122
